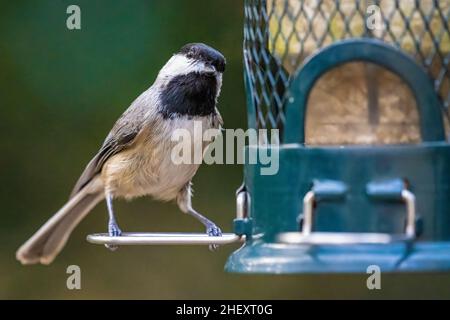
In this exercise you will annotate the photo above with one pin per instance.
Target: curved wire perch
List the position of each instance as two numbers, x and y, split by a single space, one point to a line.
146 238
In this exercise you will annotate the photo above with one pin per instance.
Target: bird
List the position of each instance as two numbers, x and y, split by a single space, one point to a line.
135 158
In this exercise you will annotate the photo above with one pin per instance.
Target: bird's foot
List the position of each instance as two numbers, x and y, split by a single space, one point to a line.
113 231
213 231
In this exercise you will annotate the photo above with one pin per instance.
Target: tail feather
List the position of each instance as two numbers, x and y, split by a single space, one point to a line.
49 240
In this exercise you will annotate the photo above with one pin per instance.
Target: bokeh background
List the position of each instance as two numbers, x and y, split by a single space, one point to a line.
60 93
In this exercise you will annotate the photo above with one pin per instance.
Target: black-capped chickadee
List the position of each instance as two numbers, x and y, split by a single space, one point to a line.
135 159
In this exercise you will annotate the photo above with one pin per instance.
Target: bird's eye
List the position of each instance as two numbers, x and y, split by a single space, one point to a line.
189 55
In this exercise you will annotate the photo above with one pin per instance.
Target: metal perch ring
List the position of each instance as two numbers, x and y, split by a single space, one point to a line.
146 238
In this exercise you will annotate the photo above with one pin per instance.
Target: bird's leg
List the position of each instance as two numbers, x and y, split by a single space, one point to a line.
184 202
211 228
113 228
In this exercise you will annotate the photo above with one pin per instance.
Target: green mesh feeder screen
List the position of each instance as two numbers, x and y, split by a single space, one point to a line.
369 105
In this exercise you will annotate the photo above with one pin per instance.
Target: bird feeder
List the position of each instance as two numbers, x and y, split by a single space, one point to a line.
364 163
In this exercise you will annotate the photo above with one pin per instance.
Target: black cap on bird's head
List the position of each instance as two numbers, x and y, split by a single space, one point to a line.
204 53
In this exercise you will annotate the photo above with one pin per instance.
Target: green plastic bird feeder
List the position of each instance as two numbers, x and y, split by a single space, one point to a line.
349 193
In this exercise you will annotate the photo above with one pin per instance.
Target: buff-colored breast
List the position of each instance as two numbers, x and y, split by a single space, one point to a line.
147 166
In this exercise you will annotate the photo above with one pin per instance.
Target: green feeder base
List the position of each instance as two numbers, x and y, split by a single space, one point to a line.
259 257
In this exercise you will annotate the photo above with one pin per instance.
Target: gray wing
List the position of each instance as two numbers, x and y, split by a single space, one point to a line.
122 136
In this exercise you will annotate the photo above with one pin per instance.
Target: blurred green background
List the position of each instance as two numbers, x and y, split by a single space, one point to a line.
60 93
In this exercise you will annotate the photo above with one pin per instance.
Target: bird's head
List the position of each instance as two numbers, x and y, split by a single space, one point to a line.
190 82
194 57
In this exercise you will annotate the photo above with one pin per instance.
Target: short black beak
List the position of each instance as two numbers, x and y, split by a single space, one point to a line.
220 66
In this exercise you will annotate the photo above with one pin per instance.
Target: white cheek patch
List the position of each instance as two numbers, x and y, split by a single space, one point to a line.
179 64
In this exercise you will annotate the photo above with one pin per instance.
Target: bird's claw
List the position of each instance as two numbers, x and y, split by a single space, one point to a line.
213 231
113 231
